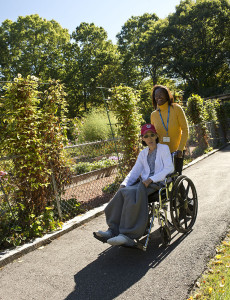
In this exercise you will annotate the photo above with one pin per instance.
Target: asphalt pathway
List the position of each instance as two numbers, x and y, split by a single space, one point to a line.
77 266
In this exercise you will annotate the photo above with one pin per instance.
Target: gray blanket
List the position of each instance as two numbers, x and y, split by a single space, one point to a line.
127 212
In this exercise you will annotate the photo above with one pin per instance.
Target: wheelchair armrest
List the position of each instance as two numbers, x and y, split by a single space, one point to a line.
170 177
172 174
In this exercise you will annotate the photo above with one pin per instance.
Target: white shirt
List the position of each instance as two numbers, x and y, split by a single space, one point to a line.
163 166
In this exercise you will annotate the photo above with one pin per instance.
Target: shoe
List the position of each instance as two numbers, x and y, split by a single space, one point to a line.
121 239
105 234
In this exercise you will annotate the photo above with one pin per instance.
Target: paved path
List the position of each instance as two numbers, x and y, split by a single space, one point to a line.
76 266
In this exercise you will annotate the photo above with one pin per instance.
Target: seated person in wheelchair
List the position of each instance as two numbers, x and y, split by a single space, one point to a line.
127 213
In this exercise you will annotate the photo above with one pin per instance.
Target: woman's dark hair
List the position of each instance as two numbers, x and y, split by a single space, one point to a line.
167 92
144 143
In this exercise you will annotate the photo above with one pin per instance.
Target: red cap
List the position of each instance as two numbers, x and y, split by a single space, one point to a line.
147 127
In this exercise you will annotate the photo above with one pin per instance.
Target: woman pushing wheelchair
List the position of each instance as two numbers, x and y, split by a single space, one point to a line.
127 212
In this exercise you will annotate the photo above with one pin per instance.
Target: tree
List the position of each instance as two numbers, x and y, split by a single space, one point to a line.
132 62
153 50
32 45
92 61
199 35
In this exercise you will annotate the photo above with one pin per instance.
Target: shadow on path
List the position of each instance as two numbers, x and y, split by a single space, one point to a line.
118 268
226 148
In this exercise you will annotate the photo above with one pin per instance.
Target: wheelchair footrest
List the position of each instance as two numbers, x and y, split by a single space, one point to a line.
138 245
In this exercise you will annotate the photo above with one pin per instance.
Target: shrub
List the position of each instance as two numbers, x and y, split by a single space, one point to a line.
222 116
84 167
22 227
210 114
124 103
195 112
35 136
70 208
96 126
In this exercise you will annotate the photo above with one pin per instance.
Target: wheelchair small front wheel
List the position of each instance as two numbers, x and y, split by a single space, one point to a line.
165 235
183 204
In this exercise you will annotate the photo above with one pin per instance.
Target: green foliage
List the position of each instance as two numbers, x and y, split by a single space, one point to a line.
89 151
124 102
32 45
198 39
111 188
226 107
70 208
91 61
145 105
195 113
34 137
191 45
84 167
133 63
210 113
96 126
153 49
214 284
222 116
17 226
74 129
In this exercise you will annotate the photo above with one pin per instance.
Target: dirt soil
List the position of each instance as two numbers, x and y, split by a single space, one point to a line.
90 194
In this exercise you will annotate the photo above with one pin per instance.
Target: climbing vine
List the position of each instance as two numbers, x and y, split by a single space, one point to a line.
222 117
195 112
124 103
34 137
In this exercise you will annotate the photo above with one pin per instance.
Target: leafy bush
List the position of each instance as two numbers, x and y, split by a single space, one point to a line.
210 114
226 106
124 103
84 167
96 126
35 136
17 226
196 114
94 149
70 208
222 116
111 188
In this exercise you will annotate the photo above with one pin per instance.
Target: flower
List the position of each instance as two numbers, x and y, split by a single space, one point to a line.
113 158
2 175
218 262
225 243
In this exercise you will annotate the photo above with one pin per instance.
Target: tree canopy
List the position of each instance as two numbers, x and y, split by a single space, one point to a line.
32 46
199 36
190 47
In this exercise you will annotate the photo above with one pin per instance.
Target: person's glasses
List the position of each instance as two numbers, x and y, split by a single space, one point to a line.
149 135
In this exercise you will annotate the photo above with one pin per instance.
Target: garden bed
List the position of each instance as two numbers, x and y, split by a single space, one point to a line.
93 175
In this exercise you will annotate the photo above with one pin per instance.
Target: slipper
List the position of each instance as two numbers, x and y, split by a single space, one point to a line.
105 234
121 240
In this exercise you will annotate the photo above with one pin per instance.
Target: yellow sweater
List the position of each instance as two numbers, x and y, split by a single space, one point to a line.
177 127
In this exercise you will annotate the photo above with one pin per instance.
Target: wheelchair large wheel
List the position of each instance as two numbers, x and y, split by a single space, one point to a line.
183 204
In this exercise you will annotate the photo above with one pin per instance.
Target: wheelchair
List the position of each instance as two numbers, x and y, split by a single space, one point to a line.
177 197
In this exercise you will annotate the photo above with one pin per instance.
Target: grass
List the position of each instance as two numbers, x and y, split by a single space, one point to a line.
215 282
